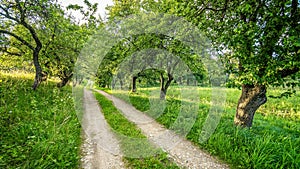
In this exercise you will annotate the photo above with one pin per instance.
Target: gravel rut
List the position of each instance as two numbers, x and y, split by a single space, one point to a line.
100 148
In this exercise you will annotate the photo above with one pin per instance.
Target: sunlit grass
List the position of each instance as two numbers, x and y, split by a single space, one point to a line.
272 142
18 74
39 129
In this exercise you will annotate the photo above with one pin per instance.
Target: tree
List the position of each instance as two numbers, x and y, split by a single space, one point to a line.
137 54
54 38
258 41
63 40
29 15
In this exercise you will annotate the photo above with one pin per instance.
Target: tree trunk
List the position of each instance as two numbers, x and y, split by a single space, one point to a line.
74 82
164 87
113 84
38 69
64 80
121 84
163 93
253 96
80 80
133 89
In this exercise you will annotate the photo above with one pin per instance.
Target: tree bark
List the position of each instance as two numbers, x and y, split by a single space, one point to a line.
252 97
133 89
38 69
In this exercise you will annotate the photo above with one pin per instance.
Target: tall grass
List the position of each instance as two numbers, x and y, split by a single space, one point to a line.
272 142
39 129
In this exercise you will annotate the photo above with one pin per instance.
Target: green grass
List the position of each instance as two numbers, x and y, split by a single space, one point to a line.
134 144
272 142
39 129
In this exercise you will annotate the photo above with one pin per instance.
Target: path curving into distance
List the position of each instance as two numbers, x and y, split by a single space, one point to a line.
180 150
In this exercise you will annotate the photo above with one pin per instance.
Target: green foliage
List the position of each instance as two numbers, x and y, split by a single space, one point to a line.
16 56
273 143
62 44
257 40
47 31
123 8
39 129
136 49
127 132
28 17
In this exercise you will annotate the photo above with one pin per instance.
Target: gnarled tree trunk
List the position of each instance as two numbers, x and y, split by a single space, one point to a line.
253 96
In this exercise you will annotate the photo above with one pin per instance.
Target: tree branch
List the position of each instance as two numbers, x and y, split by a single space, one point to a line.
22 18
206 7
286 72
294 16
7 15
18 38
30 28
4 49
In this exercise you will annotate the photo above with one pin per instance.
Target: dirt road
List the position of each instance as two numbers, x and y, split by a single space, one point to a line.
182 151
100 148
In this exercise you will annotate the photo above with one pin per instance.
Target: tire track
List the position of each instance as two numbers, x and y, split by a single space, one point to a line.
100 148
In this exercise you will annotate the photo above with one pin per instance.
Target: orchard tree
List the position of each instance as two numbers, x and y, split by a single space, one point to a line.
134 43
29 15
133 56
63 39
258 41
262 39
45 31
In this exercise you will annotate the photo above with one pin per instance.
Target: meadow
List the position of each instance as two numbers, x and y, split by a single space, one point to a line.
272 142
39 129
